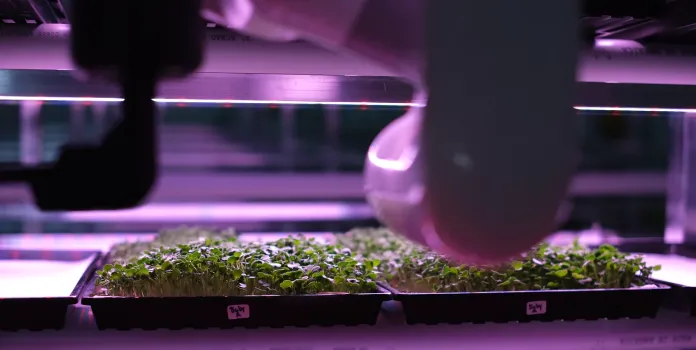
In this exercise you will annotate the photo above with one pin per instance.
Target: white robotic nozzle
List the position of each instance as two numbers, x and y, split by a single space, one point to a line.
396 188
498 137
495 144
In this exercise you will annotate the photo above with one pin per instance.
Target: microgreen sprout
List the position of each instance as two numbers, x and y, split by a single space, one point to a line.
127 251
289 266
408 267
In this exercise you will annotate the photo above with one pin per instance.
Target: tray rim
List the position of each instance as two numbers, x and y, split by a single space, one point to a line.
87 300
661 287
366 305
674 285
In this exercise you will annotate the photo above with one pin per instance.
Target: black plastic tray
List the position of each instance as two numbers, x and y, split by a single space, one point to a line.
691 295
42 313
680 298
237 311
527 306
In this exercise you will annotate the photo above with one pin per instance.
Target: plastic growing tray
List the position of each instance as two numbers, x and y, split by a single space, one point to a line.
685 296
112 312
527 306
681 298
36 287
238 311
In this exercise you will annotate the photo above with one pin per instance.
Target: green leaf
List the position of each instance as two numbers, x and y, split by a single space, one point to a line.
561 273
287 284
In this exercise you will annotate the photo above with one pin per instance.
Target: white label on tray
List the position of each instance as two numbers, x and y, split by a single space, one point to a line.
237 312
536 307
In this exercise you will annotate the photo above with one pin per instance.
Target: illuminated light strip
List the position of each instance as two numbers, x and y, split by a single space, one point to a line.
325 103
241 212
59 99
281 102
186 100
205 212
104 241
637 109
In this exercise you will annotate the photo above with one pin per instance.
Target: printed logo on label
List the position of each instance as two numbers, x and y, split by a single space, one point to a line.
536 307
237 312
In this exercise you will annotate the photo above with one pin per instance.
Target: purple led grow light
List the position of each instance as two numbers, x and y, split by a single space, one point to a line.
206 101
228 211
320 103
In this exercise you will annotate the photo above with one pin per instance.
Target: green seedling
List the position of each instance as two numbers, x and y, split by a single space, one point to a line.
127 251
290 266
411 268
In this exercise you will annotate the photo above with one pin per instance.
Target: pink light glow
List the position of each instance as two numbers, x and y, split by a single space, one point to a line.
618 44
638 109
104 241
185 100
40 278
241 212
404 162
678 269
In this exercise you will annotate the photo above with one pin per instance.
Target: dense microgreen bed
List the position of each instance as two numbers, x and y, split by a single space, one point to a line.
199 262
408 267
290 266
126 251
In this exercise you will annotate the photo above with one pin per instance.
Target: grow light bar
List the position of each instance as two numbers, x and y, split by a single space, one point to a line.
637 109
324 103
105 241
209 101
241 212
